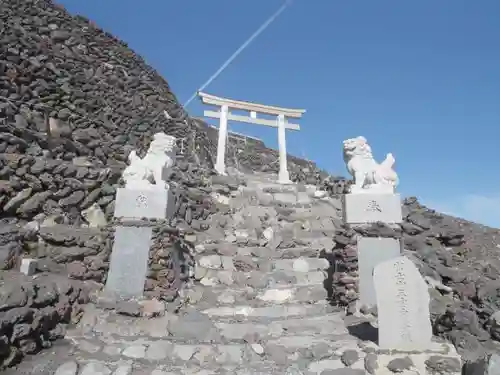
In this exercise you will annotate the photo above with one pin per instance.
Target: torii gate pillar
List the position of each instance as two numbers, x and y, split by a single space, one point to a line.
220 165
283 176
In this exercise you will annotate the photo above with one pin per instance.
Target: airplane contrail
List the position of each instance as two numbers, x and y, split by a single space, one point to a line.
239 50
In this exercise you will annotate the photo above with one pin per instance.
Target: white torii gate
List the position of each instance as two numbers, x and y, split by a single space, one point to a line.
224 115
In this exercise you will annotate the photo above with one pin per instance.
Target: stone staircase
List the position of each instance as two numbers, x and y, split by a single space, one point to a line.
258 304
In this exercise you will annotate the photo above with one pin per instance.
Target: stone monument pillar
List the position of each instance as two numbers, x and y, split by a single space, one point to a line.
372 198
146 196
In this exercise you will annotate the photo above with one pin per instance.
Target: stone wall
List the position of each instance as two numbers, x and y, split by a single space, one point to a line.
72 264
45 222
44 192
53 189
74 101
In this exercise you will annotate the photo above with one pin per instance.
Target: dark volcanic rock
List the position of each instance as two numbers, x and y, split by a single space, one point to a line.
34 312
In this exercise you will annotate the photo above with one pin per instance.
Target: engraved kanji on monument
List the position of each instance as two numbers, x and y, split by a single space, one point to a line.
129 262
403 306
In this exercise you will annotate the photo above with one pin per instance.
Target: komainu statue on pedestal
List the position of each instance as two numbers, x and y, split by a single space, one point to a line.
148 172
369 176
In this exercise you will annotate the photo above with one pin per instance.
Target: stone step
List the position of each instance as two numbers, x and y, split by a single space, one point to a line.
252 359
229 249
266 201
313 234
208 296
169 353
229 263
294 343
271 197
217 325
258 279
285 253
247 347
266 313
81 366
242 232
303 294
244 237
290 355
324 325
316 217
236 337
271 187
114 340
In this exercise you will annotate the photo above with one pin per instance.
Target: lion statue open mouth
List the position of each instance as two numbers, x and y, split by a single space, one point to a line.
148 172
369 176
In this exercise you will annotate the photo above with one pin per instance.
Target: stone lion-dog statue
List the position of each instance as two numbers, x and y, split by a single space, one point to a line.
148 172
369 176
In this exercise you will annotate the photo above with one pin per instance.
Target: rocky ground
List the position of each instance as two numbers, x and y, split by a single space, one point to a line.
254 261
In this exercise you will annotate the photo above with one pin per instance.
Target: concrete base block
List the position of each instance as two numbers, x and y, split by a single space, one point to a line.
370 208
154 203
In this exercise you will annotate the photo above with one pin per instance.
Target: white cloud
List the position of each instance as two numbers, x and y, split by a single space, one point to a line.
473 207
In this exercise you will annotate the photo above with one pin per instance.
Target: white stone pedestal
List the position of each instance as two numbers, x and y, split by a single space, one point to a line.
363 208
150 203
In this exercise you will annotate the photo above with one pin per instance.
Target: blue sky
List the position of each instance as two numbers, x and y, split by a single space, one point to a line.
420 79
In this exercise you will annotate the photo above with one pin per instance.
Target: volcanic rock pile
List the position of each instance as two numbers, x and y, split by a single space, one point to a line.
74 101
34 312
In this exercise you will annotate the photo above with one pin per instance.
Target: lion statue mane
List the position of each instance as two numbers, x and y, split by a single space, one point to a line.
148 171
369 176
